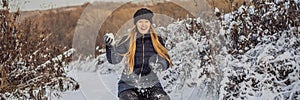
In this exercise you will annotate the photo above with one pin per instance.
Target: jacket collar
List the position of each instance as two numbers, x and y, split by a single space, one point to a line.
139 35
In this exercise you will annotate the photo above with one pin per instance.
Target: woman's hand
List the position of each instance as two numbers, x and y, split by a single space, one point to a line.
157 63
156 67
109 39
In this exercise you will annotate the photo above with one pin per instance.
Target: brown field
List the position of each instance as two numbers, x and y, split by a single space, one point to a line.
226 6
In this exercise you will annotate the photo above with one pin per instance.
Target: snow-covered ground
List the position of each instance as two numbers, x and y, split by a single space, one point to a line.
95 86
91 88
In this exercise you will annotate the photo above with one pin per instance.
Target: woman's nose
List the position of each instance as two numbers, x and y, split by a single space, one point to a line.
143 24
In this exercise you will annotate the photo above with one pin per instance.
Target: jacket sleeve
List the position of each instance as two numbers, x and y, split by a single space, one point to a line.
114 53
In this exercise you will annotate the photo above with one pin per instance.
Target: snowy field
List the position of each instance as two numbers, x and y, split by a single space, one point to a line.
92 88
94 85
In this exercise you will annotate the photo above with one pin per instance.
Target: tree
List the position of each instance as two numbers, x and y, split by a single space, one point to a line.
30 70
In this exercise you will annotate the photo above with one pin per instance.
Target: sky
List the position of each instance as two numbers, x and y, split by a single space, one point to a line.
26 5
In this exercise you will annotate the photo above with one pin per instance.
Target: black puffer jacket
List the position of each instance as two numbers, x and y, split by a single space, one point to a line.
144 50
142 76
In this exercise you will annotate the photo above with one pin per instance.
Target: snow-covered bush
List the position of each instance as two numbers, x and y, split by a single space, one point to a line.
269 70
251 53
262 61
191 44
250 23
30 70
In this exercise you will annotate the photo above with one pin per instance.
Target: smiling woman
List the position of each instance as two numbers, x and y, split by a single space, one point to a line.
142 48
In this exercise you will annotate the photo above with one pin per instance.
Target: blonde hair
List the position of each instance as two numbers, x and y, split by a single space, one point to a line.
158 47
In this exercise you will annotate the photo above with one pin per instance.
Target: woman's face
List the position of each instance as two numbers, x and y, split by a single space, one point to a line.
143 26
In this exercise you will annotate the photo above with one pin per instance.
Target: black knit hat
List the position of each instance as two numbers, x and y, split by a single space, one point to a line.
143 13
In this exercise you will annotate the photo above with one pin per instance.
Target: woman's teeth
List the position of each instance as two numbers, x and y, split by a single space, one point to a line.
143 28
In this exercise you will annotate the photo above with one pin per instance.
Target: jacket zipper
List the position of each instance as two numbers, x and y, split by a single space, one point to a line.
143 43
